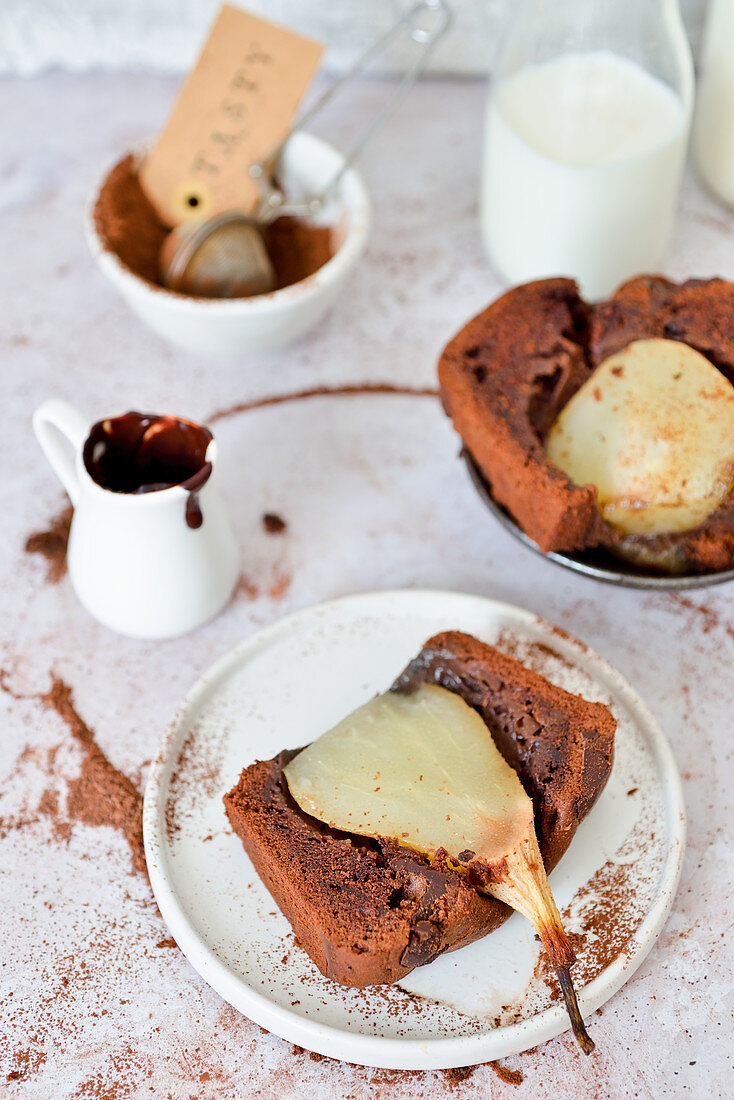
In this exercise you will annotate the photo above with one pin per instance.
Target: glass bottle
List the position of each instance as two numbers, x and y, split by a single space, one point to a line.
714 130
585 140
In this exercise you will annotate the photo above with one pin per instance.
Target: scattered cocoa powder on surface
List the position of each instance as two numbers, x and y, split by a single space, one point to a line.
365 389
378 1076
708 616
509 1076
457 1075
387 1077
279 585
123 1070
452 1078
124 1076
314 1057
246 587
27 1062
52 543
48 803
48 806
101 794
274 524
129 226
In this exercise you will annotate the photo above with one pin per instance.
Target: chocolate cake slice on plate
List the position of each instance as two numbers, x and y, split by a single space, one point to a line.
368 912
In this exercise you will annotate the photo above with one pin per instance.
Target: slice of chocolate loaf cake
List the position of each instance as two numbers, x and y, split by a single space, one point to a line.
368 912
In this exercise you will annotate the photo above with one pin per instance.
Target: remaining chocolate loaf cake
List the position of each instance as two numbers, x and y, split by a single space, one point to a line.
368 912
508 373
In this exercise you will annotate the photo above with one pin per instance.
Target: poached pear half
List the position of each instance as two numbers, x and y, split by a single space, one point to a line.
653 430
423 769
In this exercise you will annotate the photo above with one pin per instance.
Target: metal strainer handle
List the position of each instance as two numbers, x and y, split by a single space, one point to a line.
273 202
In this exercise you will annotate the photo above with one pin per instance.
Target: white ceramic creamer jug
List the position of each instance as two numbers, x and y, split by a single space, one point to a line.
151 549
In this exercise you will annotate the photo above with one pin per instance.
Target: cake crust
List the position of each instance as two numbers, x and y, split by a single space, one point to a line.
505 377
368 912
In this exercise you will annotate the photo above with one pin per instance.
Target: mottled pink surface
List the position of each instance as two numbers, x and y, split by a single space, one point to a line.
94 1001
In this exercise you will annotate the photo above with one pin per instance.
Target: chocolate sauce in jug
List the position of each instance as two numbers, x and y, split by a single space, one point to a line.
144 453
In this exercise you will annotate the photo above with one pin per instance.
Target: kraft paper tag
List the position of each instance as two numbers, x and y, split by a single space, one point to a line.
236 104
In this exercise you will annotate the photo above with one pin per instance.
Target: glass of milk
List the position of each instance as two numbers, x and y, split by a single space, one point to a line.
586 133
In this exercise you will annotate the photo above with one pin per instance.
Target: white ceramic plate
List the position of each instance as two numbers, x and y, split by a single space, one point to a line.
288 684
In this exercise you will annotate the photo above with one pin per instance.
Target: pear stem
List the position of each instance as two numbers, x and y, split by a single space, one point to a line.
525 887
581 1035
562 957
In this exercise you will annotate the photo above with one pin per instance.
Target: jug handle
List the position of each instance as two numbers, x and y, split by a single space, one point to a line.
61 430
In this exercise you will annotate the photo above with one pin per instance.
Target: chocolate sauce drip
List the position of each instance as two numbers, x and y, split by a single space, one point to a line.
144 453
194 517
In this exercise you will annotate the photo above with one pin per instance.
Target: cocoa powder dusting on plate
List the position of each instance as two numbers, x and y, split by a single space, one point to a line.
197 771
605 906
52 543
533 654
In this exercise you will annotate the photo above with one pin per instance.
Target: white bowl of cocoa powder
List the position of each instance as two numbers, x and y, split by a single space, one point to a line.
312 260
